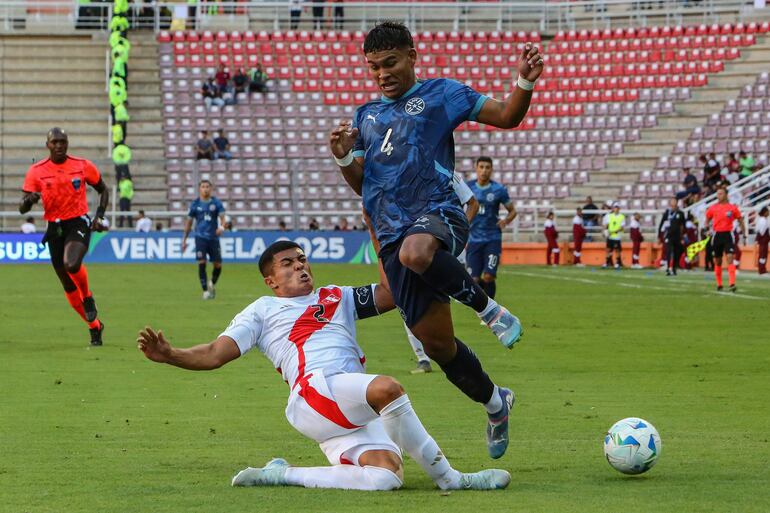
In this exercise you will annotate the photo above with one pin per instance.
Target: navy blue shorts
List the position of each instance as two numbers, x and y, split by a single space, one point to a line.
208 247
412 295
483 257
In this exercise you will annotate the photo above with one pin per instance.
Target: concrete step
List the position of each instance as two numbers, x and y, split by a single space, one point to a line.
631 165
75 128
680 121
663 134
91 138
13 114
644 148
55 90
59 76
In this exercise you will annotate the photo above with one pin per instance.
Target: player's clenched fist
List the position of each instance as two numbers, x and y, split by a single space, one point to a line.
530 63
153 345
342 138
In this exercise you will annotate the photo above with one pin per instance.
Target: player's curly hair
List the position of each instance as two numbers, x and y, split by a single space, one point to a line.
266 260
388 35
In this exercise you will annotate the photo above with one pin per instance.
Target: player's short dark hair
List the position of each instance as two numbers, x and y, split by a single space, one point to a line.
484 158
266 260
764 211
388 35
205 180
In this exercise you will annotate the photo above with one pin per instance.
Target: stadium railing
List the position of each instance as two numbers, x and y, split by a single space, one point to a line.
44 16
750 194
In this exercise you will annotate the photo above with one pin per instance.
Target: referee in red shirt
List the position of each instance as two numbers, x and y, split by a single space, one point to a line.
723 214
60 180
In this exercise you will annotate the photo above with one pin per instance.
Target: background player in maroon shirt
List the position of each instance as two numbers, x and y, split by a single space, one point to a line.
551 235
578 234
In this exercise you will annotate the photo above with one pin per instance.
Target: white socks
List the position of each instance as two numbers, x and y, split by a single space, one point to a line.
346 477
404 428
495 404
419 352
485 314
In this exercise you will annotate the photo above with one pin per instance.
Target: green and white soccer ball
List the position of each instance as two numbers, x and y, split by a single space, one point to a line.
632 446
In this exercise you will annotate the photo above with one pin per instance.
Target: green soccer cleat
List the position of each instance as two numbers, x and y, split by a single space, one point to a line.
272 474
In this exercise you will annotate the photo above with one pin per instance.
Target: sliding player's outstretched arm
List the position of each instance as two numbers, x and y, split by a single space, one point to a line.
511 112
201 357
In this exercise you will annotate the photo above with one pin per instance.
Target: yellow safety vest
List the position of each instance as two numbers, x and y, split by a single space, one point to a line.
615 225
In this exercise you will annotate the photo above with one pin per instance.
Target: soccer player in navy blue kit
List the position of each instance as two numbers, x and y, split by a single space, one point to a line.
398 154
485 242
209 215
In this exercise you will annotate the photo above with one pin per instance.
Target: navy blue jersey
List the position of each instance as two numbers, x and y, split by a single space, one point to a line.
491 196
409 153
206 215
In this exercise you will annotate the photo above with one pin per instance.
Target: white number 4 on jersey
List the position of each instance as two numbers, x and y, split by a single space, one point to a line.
386 147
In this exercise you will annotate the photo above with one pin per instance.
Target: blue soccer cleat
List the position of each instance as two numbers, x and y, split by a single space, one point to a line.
497 426
272 474
506 326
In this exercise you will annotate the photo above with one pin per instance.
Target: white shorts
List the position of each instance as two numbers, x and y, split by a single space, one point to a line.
332 410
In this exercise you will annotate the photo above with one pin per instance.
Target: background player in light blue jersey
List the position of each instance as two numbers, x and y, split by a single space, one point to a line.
398 153
209 215
486 239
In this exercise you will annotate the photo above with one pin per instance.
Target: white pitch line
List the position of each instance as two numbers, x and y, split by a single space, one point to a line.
755 283
629 285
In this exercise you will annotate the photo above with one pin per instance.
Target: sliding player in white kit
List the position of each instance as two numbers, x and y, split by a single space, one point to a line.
359 420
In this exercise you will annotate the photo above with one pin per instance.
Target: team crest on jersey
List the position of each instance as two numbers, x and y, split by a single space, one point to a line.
414 106
490 197
729 214
76 183
331 298
212 207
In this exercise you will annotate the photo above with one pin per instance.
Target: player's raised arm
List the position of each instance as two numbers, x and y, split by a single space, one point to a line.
509 113
341 141
201 357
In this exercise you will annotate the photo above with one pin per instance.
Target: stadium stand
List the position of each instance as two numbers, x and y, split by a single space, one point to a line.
602 91
40 90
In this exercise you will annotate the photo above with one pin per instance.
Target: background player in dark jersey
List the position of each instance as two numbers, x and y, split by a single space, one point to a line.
61 182
485 242
209 215
404 142
672 224
723 215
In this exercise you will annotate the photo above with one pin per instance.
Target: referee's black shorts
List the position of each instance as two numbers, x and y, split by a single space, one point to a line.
57 235
723 242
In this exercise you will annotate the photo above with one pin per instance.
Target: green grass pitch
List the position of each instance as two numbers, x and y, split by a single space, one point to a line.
104 430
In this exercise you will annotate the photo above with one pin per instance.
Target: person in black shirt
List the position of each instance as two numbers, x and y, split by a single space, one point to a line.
691 188
673 222
589 220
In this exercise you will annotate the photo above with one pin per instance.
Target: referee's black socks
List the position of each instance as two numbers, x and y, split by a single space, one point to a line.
448 275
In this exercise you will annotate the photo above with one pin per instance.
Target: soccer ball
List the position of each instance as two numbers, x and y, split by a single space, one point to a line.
632 446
